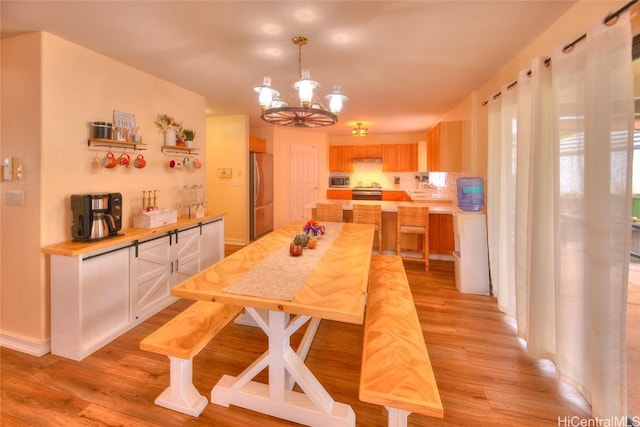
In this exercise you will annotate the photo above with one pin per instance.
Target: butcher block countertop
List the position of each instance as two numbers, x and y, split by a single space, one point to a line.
128 235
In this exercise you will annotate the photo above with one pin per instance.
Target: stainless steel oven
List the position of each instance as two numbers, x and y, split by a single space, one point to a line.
366 193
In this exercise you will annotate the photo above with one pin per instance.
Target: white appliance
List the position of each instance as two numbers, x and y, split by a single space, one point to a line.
471 254
261 194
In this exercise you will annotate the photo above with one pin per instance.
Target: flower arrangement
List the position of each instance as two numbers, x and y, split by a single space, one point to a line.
314 228
165 123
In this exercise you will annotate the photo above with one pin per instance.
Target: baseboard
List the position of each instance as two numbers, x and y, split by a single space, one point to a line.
25 345
235 242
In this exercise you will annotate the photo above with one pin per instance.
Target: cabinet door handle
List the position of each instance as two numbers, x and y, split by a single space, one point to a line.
177 268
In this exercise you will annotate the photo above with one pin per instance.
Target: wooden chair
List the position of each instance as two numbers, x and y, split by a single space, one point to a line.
331 212
370 214
414 220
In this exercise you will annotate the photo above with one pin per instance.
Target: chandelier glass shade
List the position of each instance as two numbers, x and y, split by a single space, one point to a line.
309 112
359 130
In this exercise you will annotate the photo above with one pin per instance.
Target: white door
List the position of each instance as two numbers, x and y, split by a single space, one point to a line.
303 169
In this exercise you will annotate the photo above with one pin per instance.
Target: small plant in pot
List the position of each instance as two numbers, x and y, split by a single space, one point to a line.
189 136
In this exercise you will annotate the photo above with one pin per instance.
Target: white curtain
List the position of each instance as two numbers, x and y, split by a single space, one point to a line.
559 207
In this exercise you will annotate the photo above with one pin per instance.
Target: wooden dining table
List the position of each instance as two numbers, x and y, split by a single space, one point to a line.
332 285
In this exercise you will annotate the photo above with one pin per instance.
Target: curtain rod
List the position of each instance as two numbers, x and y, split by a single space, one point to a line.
608 20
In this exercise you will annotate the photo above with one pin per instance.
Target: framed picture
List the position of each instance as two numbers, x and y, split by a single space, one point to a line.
125 120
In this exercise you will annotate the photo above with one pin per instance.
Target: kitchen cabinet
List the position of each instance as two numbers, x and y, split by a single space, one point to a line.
341 158
444 147
159 264
390 158
441 240
257 145
212 247
408 158
395 196
96 296
399 157
367 151
89 301
339 194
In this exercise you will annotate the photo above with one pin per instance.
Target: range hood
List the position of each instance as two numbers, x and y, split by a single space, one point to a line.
367 160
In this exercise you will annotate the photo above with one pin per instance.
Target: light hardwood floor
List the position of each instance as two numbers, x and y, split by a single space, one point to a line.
483 374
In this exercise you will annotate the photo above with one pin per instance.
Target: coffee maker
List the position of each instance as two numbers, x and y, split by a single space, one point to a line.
96 216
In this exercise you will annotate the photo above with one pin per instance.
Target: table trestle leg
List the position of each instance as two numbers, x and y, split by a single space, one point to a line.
397 417
312 407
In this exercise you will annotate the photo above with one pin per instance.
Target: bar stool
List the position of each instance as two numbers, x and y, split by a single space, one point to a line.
331 212
369 214
414 220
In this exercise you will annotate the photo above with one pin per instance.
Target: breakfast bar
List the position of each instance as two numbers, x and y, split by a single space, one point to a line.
441 210
332 286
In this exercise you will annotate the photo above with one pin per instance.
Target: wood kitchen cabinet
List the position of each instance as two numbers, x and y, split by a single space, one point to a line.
408 158
367 151
441 240
395 196
399 157
341 158
339 194
444 147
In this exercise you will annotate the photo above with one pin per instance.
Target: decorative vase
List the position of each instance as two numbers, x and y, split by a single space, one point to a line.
295 249
170 137
189 143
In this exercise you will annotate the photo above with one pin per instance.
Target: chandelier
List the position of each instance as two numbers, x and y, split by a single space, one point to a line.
310 113
360 131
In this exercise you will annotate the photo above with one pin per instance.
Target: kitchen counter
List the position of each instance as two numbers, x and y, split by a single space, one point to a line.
128 235
436 206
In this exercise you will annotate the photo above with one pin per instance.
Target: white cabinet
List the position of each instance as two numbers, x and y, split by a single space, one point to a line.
471 255
89 301
95 297
150 276
212 249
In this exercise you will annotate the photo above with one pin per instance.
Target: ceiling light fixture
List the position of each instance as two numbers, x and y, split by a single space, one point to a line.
311 113
360 131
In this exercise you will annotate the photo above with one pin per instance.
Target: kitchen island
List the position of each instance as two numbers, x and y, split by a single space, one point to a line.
441 240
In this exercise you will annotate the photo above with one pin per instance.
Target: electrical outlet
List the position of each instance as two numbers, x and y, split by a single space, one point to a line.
15 198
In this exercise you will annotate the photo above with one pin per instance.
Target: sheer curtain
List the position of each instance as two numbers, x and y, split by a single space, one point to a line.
558 205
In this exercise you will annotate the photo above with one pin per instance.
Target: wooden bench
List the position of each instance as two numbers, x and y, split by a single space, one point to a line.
396 371
181 339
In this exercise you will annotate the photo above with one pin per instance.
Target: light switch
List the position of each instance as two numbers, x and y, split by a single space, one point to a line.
15 198
7 169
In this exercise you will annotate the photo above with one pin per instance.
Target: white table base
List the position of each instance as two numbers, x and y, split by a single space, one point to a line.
314 406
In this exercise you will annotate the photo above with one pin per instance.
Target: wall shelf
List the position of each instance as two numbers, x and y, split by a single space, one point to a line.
174 149
111 143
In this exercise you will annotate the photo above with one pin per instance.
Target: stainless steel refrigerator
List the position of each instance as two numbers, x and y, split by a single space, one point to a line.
261 194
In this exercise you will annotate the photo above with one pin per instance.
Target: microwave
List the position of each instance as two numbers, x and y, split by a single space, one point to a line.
339 182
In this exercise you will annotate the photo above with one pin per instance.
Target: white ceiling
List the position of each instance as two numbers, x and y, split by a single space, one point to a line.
403 64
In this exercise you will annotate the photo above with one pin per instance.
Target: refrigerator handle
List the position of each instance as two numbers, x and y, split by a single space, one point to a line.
256 175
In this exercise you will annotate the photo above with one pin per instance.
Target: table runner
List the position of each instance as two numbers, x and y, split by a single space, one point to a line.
280 275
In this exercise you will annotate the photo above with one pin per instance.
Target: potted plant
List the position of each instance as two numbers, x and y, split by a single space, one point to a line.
189 136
